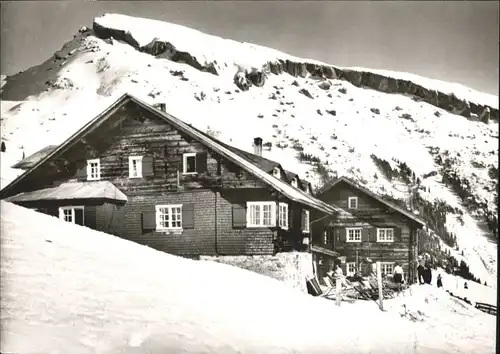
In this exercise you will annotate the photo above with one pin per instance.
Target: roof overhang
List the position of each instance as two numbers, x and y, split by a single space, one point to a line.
91 190
325 251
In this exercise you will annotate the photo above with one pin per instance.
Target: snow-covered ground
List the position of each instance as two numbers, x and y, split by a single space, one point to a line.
341 124
69 289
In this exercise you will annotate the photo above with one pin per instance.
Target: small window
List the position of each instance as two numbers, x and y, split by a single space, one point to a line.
72 214
277 172
135 166
295 182
93 170
386 268
385 235
328 237
283 215
306 221
189 163
353 203
168 217
261 214
350 269
353 234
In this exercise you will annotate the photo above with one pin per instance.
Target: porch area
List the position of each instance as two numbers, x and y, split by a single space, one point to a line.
95 204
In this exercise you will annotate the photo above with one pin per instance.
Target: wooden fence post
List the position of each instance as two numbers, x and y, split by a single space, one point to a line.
338 285
380 291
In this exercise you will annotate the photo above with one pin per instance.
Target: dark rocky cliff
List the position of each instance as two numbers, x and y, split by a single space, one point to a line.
446 101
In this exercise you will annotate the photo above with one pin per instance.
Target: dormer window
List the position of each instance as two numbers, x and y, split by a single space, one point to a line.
276 172
295 182
93 170
352 203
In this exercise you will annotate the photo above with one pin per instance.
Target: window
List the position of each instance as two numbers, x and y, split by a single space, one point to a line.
283 215
72 214
261 214
93 170
294 182
135 166
189 163
328 237
386 268
306 221
352 203
353 235
385 235
277 172
168 217
350 269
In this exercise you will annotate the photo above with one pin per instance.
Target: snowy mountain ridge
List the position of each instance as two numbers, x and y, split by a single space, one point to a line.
315 119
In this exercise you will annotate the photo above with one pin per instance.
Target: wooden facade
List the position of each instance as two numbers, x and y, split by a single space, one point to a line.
210 201
373 231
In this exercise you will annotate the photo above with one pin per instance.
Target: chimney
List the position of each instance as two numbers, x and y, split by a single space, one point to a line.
161 107
257 146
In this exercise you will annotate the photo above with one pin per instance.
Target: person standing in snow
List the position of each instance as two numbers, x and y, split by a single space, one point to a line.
398 275
427 274
339 274
439 281
420 273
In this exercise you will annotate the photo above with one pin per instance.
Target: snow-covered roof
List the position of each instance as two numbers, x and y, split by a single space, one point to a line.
287 190
72 191
31 160
373 195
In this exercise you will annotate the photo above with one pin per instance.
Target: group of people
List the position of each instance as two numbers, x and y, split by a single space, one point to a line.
423 271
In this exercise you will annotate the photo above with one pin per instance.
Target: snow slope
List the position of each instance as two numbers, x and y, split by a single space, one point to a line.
329 119
69 289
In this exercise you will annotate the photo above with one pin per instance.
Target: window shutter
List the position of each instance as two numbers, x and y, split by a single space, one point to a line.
90 216
342 234
397 234
147 166
365 235
81 172
188 216
291 211
201 162
239 216
149 220
79 217
373 234
303 219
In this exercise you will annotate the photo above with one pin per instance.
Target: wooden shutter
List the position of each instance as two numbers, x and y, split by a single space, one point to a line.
373 234
291 218
147 166
201 162
365 235
397 234
188 216
79 216
81 172
90 217
342 234
303 220
149 220
239 216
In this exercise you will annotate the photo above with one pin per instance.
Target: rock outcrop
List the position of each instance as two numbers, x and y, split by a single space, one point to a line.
448 102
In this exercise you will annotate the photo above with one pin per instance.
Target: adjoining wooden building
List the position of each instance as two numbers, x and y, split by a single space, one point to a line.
371 229
138 172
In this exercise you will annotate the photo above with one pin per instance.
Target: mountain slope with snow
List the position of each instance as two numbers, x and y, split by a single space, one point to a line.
312 122
69 289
